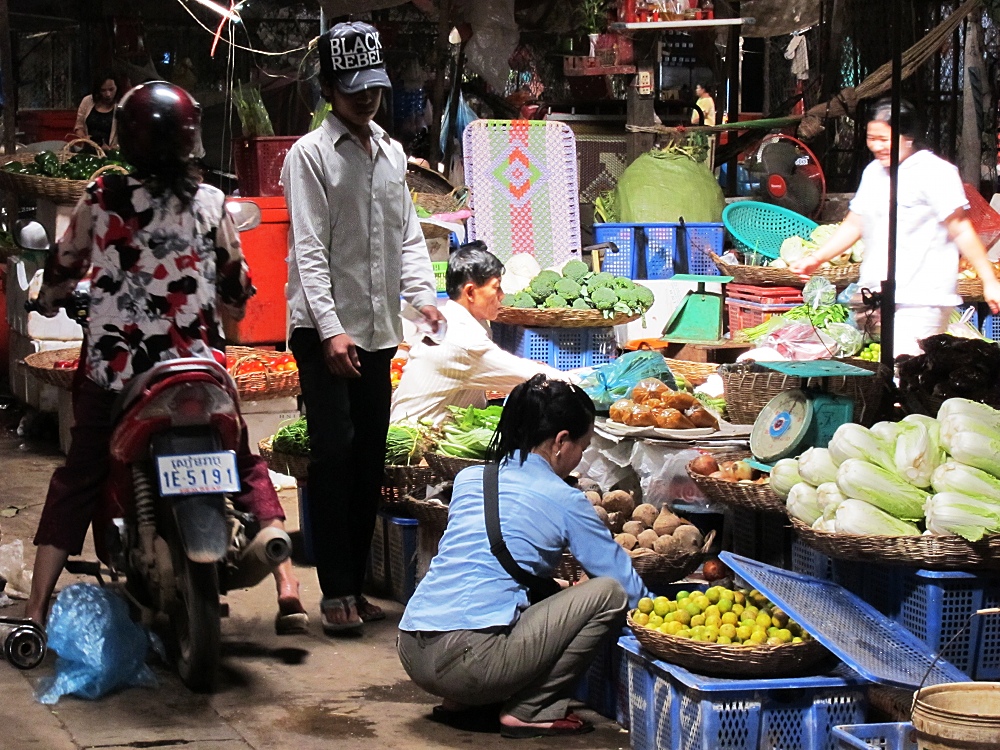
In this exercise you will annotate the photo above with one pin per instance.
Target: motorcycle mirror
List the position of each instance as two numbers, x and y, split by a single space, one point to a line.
31 235
245 214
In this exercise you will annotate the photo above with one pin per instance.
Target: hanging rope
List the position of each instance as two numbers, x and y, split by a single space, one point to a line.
880 81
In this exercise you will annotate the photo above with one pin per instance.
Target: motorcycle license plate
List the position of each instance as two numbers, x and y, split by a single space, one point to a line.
198 473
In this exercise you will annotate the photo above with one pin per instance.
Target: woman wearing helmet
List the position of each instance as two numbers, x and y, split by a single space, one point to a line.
163 254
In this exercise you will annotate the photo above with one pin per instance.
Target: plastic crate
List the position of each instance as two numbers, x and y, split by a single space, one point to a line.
561 348
891 736
305 526
991 327
258 163
392 562
440 275
377 576
809 562
676 709
765 295
765 537
659 244
742 314
600 686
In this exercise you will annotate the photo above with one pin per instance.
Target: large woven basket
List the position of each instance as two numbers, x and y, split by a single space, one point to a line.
569 569
56 189
749 387
442 204
695 373
563 317
42 366
448 467
726 660
659 570
257 386
971 290
746 495
924 551
432 515
284 463
400 481
839 276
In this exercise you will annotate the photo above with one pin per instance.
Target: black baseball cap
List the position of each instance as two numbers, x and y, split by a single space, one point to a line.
350 55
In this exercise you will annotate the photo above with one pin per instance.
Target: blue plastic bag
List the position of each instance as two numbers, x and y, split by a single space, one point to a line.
100 649
610 382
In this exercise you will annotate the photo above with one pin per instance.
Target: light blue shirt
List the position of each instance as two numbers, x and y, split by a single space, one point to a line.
466 588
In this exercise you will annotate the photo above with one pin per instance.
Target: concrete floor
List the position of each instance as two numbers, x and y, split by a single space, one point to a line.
301 692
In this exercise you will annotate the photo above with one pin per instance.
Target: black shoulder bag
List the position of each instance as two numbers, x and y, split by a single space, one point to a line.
538 588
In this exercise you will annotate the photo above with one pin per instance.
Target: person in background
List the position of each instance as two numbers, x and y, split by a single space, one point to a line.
355 248
468 633
706 104
933 227
166 263
95 117
459 370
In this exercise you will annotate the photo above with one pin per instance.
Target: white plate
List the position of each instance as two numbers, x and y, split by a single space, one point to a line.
624 430
198 473
690 433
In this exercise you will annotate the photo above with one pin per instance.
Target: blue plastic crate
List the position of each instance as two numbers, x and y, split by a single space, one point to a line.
392 561
809 562
766 537
891 736
991 327
305 526
561 348
659 241
677 709
600 686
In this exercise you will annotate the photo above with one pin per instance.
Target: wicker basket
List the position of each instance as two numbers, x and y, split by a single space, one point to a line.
569 569
442 204
745 495
749 387
284 463
421 179
971 290
563 317
400 481
924 551
448 467
42 366
839 276
56 189
695 373
434 516
659 570
257 386
725 660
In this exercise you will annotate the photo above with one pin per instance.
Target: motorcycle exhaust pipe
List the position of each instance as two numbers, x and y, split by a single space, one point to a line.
268 549
23 642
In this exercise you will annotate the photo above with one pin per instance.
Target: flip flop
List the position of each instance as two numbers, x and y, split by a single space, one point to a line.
485 719
571 725
349 624
291 618
369 612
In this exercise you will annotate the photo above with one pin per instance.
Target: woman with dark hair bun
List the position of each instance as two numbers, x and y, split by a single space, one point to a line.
95 117
470 634
933 227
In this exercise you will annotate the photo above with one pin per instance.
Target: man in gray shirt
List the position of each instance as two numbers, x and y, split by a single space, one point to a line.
355 249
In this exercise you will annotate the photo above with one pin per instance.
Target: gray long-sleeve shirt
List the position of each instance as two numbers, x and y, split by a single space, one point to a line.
355 243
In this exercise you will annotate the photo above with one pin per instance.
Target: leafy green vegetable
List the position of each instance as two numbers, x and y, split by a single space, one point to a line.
406 444
470 433
292 438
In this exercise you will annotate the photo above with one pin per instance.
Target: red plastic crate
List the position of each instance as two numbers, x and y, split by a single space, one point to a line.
743 314
258 163
765 295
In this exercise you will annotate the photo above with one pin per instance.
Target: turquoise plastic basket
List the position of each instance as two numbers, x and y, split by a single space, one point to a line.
761 227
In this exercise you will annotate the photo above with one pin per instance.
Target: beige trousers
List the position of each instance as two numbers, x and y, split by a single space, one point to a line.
532 666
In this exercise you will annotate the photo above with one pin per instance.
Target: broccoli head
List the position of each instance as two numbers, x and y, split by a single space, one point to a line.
599 280
629 296
644 295
543 285
521 299
620 282
603 298
576 270
581 304
554 300
568 288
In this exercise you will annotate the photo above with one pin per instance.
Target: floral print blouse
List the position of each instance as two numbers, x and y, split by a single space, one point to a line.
158 272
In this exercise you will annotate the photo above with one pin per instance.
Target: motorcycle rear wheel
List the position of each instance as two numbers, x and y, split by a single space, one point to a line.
195 621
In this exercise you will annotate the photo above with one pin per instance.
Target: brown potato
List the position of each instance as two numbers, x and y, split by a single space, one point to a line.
646 514
626 540
619 501
647 539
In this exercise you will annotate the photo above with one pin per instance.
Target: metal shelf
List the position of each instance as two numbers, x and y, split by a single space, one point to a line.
654 25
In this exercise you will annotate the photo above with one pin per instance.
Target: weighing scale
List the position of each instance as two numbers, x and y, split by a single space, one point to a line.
698 317
803 417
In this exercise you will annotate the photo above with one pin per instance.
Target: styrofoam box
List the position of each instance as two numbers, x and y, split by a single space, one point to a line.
25 386
667 295
34 325
264 417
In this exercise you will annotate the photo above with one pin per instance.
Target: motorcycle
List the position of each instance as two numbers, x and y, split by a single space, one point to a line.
166 521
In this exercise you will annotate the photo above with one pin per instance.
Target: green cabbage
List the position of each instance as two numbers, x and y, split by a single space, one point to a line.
661 186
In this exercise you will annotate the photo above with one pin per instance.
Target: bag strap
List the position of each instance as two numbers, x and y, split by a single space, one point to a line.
491 504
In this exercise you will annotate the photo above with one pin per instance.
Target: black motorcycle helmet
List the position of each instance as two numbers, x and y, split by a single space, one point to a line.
159 127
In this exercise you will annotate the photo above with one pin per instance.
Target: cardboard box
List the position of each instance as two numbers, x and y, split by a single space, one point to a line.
264 417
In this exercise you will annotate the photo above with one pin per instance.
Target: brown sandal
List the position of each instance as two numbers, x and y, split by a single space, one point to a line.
369 612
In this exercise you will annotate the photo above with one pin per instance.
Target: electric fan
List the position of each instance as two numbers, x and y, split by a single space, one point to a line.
785 172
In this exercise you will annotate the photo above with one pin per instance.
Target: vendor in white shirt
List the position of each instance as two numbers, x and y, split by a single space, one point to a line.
459 371
933 227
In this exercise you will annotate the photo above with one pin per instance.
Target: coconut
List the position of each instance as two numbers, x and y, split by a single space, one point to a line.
586 484
618 501
602 514
626 540
615 522
634 528
666 545
688 538
645 514
594 497
647 539
666 522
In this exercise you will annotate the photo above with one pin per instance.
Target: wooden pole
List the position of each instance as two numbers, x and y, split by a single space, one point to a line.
9 110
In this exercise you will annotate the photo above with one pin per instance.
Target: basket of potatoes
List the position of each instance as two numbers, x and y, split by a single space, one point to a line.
735 483
663 546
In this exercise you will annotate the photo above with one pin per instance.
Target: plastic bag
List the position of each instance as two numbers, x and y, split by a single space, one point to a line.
818 292
849 339
801 342
606 461
464 116
14 571
610 382
100 649
962 327
663 476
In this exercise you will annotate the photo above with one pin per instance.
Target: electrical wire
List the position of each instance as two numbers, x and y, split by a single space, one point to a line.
232 43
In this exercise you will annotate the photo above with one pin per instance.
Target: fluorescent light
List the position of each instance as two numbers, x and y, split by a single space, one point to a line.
222 11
